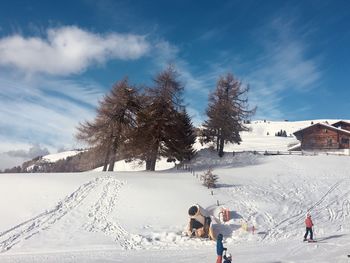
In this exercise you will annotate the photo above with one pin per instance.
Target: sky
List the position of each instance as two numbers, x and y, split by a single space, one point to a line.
58 58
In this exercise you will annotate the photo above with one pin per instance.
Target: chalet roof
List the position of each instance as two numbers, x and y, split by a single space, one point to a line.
340 122
325 126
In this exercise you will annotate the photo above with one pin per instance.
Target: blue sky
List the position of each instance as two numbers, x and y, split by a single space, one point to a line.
57 58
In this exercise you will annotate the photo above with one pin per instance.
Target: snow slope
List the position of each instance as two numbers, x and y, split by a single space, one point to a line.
261 136
51 158
140 216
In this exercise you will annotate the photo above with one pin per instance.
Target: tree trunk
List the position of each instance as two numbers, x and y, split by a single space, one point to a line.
221 149
106 161
148 164
153 163
218 136
114 153
153 157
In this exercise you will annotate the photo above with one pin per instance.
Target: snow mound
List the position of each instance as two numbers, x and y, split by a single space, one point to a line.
127 166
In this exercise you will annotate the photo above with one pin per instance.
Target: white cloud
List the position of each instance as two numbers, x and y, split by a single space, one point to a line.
13 146
34 151
68 50
7 161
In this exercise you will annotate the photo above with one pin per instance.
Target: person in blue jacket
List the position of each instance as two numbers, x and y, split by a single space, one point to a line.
219 248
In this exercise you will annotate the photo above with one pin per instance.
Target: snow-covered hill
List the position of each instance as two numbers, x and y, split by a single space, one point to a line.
60 156
261 137
140 216
44 163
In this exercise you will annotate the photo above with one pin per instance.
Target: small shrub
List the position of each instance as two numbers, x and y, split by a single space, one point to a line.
210 179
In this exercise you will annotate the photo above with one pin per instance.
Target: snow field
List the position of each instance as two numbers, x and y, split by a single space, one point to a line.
140 216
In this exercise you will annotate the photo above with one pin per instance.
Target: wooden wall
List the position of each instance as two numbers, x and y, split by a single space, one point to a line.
320 137
344 141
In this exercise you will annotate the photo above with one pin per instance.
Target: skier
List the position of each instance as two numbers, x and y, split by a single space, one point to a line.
228 258
219 248
309 225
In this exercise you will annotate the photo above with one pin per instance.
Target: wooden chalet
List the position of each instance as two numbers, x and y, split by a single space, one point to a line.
322 136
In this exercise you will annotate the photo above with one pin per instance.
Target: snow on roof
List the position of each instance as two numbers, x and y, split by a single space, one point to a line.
346 122
324 125
295 147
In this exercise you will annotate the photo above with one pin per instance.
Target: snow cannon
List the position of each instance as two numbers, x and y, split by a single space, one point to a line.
200 222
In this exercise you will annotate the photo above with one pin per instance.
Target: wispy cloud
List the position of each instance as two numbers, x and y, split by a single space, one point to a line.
198 83
68 50
44 110
285 65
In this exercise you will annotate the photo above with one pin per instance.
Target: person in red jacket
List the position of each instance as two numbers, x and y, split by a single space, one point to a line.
308 224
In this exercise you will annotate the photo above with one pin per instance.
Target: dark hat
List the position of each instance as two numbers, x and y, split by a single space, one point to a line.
193 210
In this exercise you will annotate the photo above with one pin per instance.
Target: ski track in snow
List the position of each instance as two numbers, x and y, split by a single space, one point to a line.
98 216
276 207
292 203
45 220
98 213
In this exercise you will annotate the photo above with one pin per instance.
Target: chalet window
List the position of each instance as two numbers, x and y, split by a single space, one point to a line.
325 130
312 142
344 140
329 142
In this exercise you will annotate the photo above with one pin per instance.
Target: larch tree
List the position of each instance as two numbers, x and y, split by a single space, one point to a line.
116 118
182 138
158 119
227 109
96 133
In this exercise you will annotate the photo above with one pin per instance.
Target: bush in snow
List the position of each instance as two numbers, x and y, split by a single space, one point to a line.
210 179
